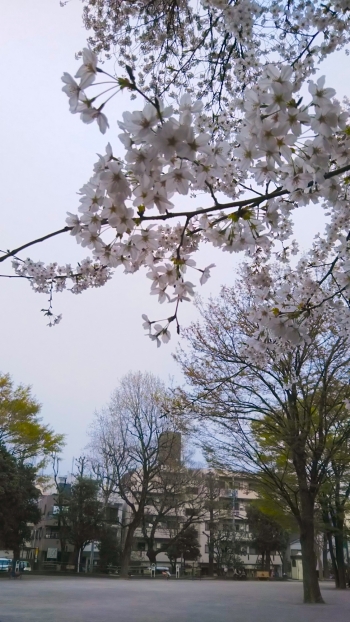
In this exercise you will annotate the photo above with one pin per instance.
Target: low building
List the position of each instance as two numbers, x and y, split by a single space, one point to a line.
45 547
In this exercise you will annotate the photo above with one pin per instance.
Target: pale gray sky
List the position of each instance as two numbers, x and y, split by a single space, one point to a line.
47 155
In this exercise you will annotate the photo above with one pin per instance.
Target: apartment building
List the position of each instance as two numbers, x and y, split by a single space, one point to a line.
45 537
235 493
44 550
231 496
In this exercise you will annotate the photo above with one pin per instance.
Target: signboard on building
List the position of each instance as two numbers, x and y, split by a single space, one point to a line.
51 553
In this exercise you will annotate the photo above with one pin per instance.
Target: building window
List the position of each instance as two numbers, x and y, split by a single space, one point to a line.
112 514
53 535
192 490
190 511
207 526
252 551
206 548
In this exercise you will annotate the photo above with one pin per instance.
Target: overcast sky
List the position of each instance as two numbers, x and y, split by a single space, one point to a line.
47 155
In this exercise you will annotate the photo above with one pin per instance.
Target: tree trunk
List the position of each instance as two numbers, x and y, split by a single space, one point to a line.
64 553
306 520
78 557
318 551
312 592
152 556
211 553
325 558
126 554
16 554
334 561
282 555
268 561
339 554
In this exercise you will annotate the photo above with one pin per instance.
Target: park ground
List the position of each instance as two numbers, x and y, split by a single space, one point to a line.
75 599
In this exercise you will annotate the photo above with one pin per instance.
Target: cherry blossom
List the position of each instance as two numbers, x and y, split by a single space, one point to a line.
72 89
87 71
265 152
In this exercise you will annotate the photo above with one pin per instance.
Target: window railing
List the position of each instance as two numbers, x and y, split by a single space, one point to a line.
53 535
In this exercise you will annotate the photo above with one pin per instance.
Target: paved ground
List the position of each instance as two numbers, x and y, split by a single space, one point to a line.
39 599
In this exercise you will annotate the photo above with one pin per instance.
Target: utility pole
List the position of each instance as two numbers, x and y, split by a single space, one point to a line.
234 497
92 554
212 498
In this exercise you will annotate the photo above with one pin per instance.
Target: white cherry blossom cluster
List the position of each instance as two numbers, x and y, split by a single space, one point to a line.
86 274
239 17
284 305
290 143
299 152
216 47
55 278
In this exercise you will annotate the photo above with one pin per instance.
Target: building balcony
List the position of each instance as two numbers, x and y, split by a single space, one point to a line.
139 556
228 493
50 516
161 532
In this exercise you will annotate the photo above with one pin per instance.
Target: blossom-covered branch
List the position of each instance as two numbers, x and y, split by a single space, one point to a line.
214 47
297 152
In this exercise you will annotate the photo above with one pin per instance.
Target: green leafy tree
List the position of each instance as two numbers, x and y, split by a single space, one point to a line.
185 547
331 502
109 548
62 499
297 396
18 502
21 429
83 513
334 500
267 535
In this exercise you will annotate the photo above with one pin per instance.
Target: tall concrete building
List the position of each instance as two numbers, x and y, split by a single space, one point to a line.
233 494
169 448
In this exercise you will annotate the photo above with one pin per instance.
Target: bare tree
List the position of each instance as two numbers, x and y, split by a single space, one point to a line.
227 550
131 441
178 500
283 412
